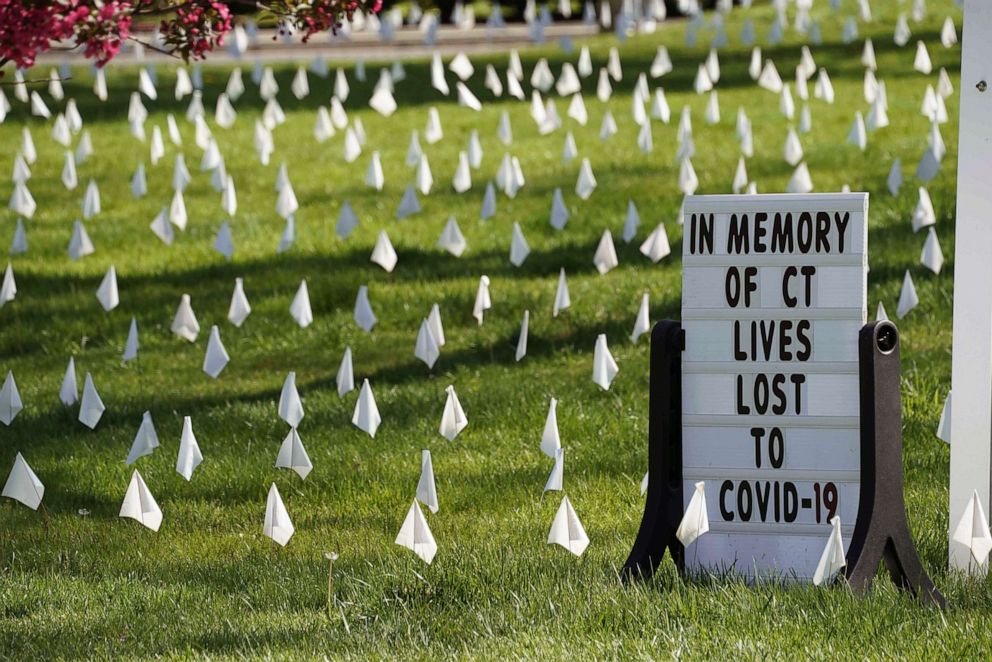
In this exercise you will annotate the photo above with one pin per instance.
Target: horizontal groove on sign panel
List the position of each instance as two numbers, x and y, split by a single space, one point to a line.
719 473
778 529
754 367
690 261
730 315
771 420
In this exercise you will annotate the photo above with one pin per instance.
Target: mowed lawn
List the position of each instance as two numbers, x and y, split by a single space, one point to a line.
76 580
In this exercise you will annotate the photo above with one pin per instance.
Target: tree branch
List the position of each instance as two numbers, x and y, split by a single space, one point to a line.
153 47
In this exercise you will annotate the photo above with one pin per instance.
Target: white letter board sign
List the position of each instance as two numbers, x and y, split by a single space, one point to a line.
773 298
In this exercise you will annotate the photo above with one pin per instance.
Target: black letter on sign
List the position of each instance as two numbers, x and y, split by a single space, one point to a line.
727 486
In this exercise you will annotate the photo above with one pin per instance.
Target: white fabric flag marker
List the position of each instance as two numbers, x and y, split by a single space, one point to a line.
944 425
433 131
504 131
69 392
688 181
569 149
290 406
559 211
453 419
10 400
519 249
240 309
434 321
352 148
426 488
793 152
416 536
556 478
91 407
409 204
21 201
577 110
550 439
608 127
562 298
858 135
374 177
292 455
894 180
80 245
972 530
662 63
452 239
567 530
162 227
382 101
145 441
277 524
424 177
347 221
604 367
85 148
923 213
948 33
91 200
19 243
177 211
695 522
216 357
880 314
769 78
184 324
833 558
643 322
190 456
605 258
345 377
107 293
483 302
366 416
139 183
23 484
286 203
364 316
131 343
907 297
922 61
426 348
69 177
631 222
383 253
586 182
140 505
466 98
824 89
932 257
300 307
522 338
462 181
8 290
800 182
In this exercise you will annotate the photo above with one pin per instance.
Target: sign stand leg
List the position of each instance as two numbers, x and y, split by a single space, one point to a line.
663 509
882 529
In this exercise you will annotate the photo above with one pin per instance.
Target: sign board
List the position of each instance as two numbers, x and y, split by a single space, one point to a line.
774 294
971 370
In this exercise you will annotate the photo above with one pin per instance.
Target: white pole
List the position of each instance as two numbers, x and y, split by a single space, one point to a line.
971 379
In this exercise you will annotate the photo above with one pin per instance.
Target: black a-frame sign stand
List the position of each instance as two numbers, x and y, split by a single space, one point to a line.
881 532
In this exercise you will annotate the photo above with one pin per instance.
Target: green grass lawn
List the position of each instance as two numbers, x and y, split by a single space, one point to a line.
208 583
